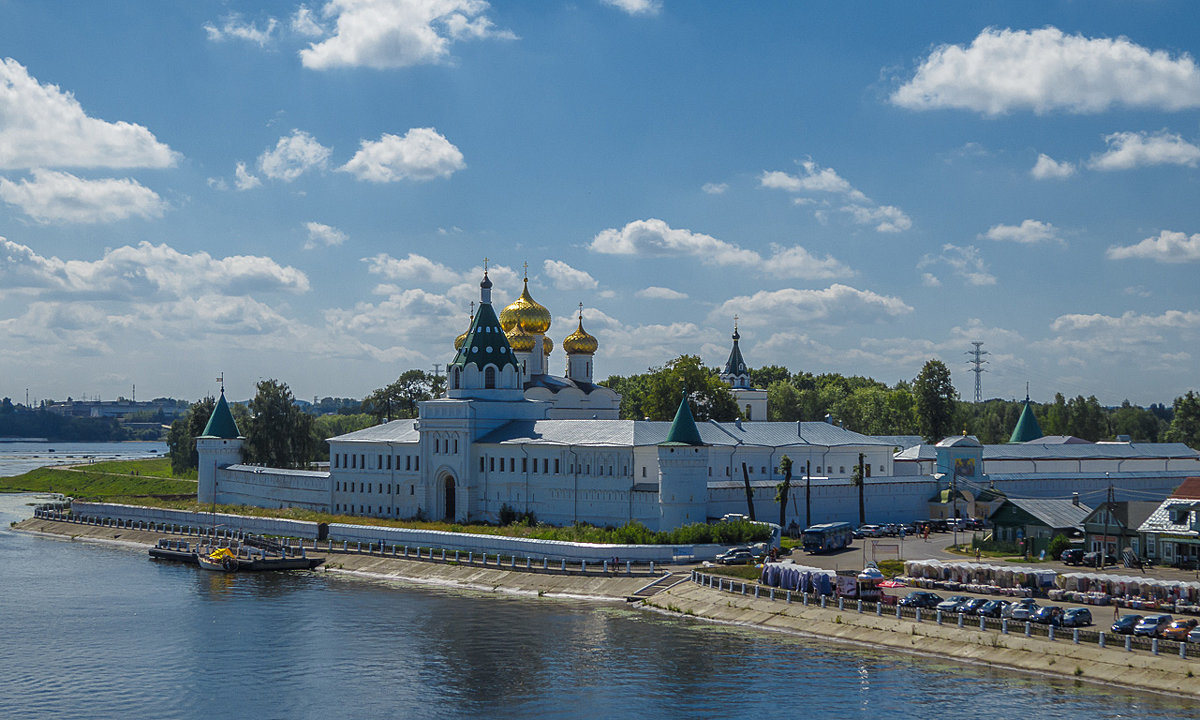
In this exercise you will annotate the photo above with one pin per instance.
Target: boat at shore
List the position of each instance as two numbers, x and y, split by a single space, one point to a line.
219 560
243 559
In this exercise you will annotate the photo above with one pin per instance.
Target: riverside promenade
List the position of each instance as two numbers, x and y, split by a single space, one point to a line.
690 592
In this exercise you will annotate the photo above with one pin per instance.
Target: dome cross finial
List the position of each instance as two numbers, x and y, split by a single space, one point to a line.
526 264
580 312
221 379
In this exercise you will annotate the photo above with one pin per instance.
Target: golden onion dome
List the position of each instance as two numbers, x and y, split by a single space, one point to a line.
519 340
580 342
547 345
528 313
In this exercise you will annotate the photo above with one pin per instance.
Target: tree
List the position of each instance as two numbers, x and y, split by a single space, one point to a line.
763 377
857 480
279 433
655 394
400 398
1185 425
784 488
6 406
181 438
936 400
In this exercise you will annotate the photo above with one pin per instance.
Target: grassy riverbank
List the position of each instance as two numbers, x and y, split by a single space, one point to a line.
133 481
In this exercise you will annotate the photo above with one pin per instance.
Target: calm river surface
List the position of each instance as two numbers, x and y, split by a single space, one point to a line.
97 631
17 458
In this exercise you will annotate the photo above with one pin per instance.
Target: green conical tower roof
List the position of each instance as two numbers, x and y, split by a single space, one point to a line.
1027 426
221 423
485 342
683 427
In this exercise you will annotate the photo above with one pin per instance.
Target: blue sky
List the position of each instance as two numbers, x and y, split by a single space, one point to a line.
308 191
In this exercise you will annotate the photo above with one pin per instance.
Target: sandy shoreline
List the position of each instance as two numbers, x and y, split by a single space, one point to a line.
1112 666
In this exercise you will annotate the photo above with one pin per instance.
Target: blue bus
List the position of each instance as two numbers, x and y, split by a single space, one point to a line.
827 537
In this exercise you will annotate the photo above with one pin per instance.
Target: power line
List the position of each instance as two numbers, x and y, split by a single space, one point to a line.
979 369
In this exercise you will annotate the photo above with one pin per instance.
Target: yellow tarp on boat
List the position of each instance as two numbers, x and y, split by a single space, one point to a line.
221 554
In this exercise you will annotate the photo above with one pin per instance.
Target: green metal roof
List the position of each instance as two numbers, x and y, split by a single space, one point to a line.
486 342
735 365
221 423
1027 426
683 428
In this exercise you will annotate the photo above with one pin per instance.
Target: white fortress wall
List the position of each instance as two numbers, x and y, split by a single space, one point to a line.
273 488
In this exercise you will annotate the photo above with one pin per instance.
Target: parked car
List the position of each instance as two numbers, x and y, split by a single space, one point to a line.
920 599
735 556
1194 636
734 517
952 603
1152 625
1179 629
1125 624
1077 617
1092 559
1022 610
993 608
1072 556
1048 615
870 531
971 607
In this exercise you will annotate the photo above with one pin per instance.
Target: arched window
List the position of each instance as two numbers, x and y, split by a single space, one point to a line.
489 377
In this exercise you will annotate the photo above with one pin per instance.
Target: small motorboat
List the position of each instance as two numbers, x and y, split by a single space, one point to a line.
219 560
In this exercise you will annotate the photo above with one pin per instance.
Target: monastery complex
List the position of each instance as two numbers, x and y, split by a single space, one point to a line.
509 435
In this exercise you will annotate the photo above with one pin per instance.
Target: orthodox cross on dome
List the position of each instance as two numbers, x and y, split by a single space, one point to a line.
527 271
221 379
472 309
485 261
581 312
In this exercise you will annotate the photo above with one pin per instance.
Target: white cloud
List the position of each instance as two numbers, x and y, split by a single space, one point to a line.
814 179
145 271
1128 150
1047 168
796 262
44 126
1029 232
243 179
234 27
660 293
566 277
1168 247
636 7
930 280
320 235
60 197
386 34
966 262
1045 70
304 23
886 218
413 267
1128 331
421 154
715 188
654 237
292 156
835 304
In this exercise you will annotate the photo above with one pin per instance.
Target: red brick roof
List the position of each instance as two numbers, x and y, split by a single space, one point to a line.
1188 490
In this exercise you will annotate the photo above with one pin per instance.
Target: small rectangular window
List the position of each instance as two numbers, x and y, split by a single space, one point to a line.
408 462
417 463
481 461
412 489
555 466
644 471
492 464
455 446
524 464
546 465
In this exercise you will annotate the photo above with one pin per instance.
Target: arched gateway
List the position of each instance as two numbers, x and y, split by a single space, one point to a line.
448 502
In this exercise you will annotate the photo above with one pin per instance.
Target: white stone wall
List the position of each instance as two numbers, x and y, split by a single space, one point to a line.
272 488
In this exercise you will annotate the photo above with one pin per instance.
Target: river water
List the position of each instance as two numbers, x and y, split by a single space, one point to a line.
17 458
101 631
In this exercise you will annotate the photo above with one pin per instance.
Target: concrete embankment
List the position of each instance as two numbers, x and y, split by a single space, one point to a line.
1090 663
1139 670
591 586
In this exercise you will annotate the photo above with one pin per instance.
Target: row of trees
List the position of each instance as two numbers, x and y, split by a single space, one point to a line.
928 405
279 433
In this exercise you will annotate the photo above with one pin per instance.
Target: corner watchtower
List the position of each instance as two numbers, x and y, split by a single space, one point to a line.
219 447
